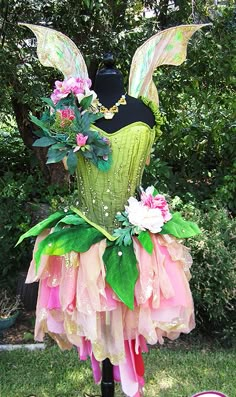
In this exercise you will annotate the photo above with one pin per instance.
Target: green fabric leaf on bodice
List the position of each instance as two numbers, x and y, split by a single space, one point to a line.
121 271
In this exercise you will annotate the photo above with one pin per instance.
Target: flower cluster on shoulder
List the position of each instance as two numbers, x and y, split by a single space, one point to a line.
65 127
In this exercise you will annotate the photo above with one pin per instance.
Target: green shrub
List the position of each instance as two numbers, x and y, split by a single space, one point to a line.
25 200
214 267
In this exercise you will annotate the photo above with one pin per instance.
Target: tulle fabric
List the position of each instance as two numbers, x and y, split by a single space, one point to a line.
76 306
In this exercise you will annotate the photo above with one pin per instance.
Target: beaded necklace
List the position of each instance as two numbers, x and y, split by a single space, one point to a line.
109 113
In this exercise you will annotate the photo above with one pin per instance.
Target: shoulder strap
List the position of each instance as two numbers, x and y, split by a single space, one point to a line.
159 119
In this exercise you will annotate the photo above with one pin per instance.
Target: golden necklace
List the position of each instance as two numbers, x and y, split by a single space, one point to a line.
109 113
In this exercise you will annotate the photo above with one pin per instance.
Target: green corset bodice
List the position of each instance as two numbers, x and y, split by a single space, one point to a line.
102 194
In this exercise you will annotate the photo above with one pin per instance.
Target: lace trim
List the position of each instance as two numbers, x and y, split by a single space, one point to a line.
159 119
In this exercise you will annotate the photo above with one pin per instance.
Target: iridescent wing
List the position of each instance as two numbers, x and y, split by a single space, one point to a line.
56 50
168 47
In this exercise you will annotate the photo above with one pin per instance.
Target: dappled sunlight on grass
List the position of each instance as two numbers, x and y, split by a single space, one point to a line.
167 382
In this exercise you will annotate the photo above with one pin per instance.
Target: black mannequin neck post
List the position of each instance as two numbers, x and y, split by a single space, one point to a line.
109 88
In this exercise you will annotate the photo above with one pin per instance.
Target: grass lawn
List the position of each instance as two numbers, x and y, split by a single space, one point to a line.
170 372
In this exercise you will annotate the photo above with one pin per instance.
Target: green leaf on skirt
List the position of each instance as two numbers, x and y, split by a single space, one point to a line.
146 241
180 228
71 219
78 239
121 271
45 224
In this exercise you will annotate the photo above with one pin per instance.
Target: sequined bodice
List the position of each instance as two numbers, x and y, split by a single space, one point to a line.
103 194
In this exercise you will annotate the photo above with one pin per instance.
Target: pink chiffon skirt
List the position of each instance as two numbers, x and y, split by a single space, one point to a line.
76 307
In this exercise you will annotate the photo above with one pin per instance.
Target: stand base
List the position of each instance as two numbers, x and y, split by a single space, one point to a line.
108 389
107 384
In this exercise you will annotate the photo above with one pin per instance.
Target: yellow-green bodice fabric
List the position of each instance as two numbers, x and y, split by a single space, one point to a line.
103 194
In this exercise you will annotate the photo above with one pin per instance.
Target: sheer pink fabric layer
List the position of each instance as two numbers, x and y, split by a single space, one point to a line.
76 306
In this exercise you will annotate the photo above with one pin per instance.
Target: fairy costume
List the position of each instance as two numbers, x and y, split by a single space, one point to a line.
109 293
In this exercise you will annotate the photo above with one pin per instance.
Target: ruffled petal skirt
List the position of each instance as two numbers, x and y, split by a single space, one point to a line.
77 307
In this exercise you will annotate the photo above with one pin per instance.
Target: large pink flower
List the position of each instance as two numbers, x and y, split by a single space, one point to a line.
71 85
81 141
157 201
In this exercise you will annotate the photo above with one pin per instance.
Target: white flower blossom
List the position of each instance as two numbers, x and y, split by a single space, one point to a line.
144 217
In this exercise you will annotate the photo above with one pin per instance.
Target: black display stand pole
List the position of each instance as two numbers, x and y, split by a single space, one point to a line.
107 384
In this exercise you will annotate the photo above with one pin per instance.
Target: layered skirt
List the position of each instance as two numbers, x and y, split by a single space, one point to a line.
76 306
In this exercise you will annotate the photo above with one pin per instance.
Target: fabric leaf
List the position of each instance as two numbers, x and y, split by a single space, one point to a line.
39 123
39 133
78 239
72 162
105 165
180 228
86 102
48 101
121 271
44 141
45 224
54 156
70 219
93 224
146 241
155 192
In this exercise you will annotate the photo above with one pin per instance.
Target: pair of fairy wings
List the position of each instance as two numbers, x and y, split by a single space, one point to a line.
168 47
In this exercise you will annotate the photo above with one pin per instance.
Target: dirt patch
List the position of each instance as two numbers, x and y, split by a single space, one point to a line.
22 332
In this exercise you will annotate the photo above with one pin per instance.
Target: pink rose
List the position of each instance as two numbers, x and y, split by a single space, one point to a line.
67 113
81 141
157 201
65 117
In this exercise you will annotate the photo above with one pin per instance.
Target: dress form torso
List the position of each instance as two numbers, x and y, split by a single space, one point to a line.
131 134
109 89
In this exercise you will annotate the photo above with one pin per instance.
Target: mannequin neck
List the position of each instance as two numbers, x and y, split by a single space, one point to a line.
109 87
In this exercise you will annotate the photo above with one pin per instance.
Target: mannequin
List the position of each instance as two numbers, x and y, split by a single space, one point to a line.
109 88
82 268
